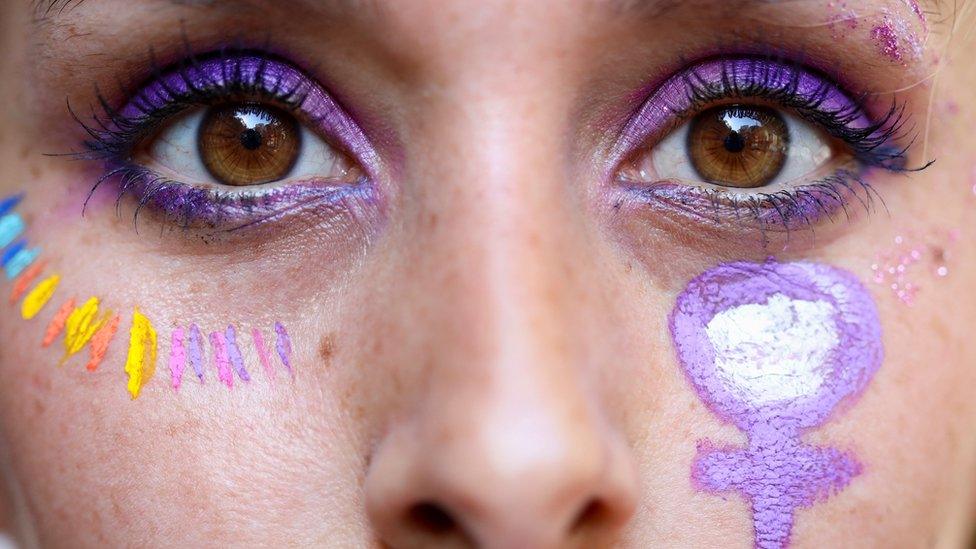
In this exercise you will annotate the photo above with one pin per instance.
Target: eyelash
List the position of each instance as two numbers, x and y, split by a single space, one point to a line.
871 146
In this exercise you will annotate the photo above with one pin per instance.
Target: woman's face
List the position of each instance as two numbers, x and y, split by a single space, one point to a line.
405 273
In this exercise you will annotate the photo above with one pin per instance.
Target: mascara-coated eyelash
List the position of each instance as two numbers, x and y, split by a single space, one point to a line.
872 143
211 79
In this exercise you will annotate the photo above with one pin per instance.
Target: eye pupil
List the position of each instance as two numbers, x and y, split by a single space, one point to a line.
248 144
251 139
738 145
734 143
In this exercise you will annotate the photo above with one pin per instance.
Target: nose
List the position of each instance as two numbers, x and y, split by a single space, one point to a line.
527 476
506 443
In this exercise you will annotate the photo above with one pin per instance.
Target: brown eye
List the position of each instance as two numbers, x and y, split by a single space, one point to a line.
248 144
738 146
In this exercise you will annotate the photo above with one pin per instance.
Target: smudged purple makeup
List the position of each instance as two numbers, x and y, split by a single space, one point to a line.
774 348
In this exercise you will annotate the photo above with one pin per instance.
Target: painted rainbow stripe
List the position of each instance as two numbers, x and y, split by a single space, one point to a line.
88 326
188 346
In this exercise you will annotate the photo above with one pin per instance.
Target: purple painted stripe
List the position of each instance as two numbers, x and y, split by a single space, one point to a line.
195 345
234 352
220 358
177 358
283 346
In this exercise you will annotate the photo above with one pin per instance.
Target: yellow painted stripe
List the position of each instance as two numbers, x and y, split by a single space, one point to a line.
80 327
39 296
141 362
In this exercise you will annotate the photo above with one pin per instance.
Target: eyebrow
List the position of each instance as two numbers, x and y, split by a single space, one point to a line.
44 9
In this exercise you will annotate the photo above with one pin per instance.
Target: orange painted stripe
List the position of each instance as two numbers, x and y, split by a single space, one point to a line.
100 342
25 280
56 326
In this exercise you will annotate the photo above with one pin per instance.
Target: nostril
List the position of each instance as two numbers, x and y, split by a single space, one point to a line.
592 514
432 518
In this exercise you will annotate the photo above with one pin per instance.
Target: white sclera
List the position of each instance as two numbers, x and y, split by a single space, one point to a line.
176 150
808 151
773 351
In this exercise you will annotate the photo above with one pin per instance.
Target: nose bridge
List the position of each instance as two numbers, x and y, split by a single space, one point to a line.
511 220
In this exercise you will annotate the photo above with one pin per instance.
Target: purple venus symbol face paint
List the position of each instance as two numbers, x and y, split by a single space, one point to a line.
773 348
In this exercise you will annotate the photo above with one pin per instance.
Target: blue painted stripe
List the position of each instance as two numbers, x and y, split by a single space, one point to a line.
11 226
12 251
21 261
10 203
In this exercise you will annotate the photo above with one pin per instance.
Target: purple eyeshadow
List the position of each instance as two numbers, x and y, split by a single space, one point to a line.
738 77
774 349
267 76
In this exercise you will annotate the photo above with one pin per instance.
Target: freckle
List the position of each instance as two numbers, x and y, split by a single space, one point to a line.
327 348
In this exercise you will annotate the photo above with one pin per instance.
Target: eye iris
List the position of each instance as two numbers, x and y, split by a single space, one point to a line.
738 146
248 144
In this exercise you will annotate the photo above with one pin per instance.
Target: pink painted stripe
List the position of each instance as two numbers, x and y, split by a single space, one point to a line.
177 358
263 353
221 359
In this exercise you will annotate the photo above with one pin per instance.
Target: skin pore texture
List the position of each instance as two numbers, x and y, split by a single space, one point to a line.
492 332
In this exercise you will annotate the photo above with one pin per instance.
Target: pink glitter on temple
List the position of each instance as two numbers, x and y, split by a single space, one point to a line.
884 35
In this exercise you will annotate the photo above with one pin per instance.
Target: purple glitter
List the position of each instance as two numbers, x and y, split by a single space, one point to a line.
234 352
773 348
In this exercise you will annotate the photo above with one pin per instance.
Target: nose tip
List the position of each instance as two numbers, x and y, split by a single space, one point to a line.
541 491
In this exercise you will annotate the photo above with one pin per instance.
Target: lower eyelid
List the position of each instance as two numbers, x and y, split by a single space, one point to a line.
780 210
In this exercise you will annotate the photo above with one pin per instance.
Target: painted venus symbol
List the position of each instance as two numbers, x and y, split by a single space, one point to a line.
773 348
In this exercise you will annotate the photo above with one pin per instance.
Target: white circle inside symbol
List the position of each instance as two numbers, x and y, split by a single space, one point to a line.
774 351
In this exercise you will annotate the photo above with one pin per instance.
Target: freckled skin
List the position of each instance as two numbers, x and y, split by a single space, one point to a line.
499 331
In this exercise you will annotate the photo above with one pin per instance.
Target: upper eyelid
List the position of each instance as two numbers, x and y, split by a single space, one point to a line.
785 82
220 74
672 98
